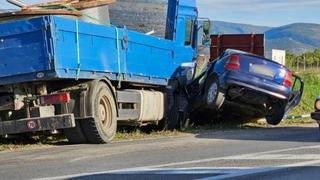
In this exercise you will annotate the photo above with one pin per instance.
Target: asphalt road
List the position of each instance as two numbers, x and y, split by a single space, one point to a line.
272 153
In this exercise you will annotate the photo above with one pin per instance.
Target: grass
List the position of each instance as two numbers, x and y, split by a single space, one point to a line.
138 134
15 143
20 143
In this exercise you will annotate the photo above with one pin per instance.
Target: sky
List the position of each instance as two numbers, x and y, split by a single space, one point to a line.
257 12
261 12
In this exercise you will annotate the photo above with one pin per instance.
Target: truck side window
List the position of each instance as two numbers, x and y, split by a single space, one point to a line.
189 31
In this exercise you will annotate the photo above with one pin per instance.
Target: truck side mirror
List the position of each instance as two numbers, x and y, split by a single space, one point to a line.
204 30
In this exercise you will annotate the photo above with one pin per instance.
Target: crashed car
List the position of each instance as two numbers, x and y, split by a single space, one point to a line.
241 79
316 115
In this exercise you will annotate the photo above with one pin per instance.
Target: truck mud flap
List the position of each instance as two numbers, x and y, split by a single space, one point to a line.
37 124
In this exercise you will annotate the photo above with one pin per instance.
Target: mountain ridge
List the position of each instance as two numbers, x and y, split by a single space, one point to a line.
296 37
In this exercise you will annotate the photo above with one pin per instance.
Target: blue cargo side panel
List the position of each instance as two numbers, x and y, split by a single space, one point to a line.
150 56
23 47
84 47
88 51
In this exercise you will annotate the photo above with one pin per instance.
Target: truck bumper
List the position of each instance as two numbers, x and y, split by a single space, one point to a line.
37 124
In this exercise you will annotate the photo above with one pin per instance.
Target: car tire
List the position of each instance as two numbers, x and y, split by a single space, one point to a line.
213 97
275 114
103 126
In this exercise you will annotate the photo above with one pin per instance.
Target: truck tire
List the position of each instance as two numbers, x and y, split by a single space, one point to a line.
213 97
75 135
275 114
176 119
103 126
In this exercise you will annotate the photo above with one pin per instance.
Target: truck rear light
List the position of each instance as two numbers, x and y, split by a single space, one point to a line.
55 98
233 62
288 79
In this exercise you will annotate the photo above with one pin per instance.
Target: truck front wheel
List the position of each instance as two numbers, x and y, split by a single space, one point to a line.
102 127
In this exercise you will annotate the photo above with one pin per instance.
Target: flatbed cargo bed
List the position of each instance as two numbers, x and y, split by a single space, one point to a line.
52 47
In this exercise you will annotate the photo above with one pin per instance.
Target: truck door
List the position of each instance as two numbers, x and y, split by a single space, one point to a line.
185 39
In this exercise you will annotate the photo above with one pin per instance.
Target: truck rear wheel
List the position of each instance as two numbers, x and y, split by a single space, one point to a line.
75 135
103 126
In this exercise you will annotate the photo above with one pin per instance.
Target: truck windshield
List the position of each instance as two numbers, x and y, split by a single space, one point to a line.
146 16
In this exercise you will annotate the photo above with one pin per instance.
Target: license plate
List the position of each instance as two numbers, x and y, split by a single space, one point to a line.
262 69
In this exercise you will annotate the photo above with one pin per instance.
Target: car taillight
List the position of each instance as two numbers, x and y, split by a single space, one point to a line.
288 79
55 98
233 62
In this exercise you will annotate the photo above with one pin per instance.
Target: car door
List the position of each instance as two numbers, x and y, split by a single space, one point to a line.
296 93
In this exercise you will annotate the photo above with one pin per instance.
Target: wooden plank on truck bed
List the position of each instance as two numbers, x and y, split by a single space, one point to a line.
78 4
34 12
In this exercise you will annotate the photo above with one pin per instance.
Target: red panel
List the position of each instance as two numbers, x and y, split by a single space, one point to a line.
252 43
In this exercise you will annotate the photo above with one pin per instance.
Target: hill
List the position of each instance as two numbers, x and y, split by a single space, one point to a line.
221 27
296 38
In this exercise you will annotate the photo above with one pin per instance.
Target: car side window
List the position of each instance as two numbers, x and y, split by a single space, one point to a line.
189 31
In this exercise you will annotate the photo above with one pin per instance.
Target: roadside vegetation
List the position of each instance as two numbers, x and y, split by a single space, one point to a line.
305 61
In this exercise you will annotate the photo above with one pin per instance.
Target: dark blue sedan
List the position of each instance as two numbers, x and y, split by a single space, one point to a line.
248 81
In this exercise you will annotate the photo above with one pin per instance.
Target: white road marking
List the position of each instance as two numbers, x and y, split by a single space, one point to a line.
278 157
264 155
263 170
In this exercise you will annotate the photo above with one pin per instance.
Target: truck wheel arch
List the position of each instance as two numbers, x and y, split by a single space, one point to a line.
90 94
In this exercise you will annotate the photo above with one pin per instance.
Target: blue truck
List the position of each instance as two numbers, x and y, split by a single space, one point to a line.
60 73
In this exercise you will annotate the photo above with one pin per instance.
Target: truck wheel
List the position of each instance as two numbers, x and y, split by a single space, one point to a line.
213 97
75 135
275 114
102 128
176 119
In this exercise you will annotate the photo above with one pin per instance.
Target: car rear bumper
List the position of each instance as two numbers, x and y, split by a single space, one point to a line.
257 84
37 124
